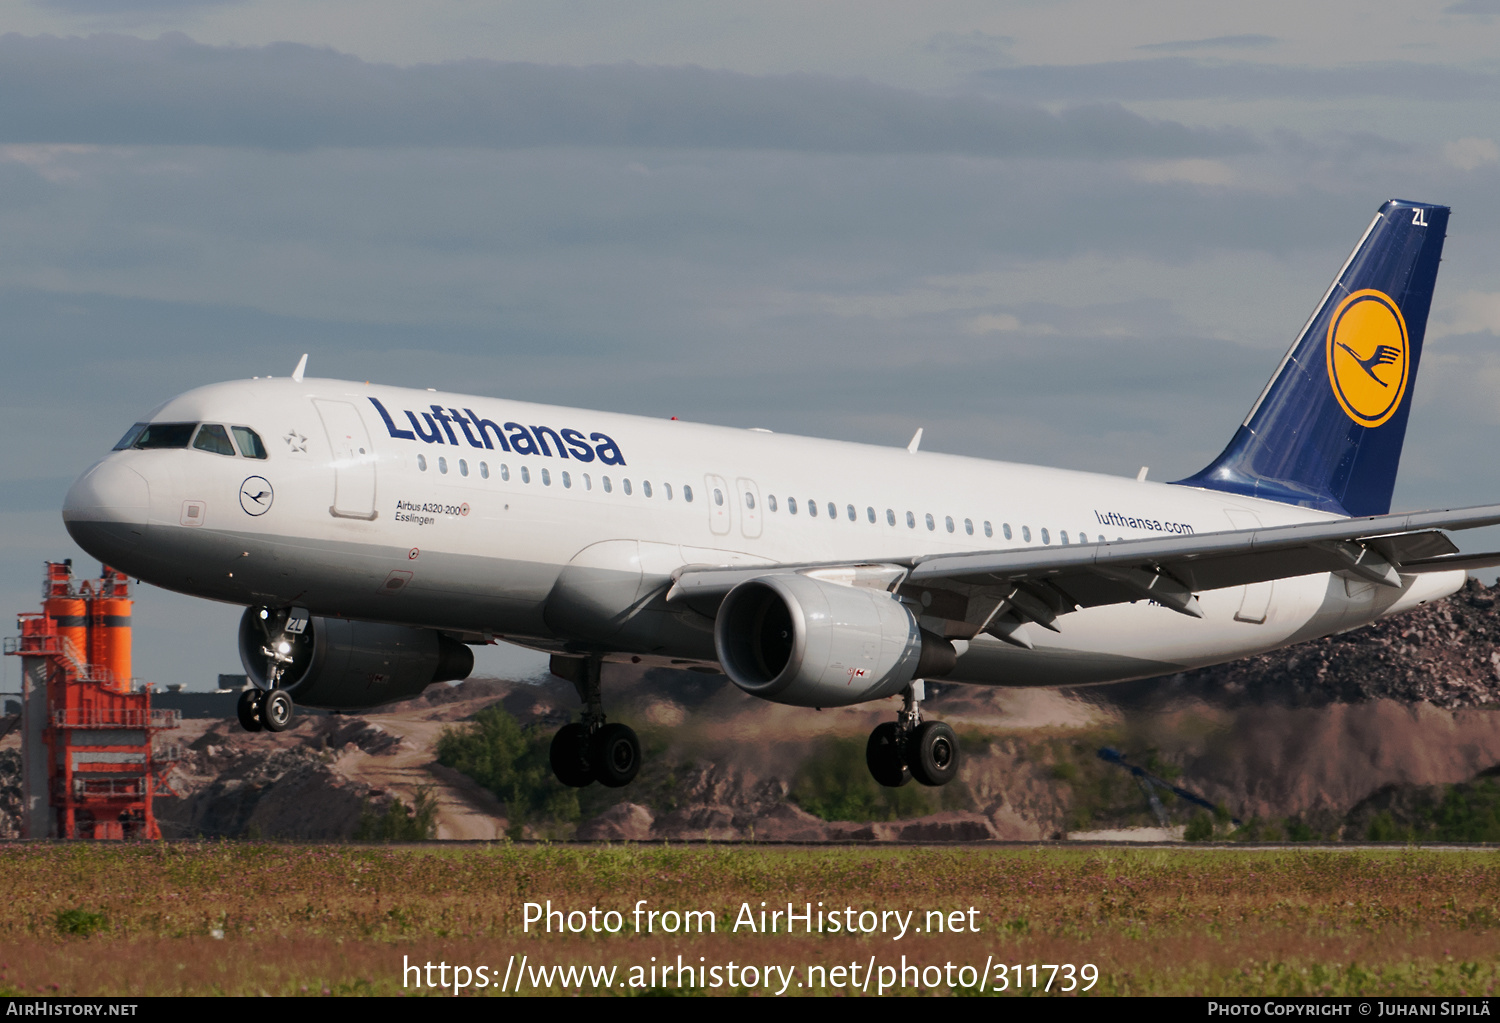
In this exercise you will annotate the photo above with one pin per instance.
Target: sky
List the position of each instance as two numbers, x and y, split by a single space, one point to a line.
1076 233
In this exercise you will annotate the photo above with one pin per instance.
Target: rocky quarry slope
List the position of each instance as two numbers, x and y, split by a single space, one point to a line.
1355 736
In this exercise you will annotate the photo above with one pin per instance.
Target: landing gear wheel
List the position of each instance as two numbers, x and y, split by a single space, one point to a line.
932 753
276 711
570 756
249 710
616 755
883 756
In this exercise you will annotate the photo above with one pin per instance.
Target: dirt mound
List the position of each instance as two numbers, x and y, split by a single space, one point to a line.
232 792
1446 653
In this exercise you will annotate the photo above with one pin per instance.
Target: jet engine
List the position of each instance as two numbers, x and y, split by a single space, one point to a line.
809 643
337 664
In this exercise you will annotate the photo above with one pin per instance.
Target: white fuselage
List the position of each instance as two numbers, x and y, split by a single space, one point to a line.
455 532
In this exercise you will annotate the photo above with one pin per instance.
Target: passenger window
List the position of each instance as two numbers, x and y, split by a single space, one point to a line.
812 509
249 442
833 510
890 516
718 497
667 489
1026 533
422 462
870 514
1006 527
463 467
988 531
930 524
484 470
567 480
969 526
165 435
588 482
625 486
646 487
546 477
749 499
791 505
948 521
911 521
853 515
771 501
1045 537
687 493
1062 535
443 465
504 472
604 482
130 436
213 438
525 474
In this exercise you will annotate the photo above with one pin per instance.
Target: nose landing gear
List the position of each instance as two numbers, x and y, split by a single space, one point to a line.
909 748
259 709
592 750
287 648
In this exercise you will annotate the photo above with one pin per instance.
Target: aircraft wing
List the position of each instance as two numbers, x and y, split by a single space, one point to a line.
996 591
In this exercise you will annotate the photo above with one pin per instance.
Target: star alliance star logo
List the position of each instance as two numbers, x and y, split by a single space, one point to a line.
295 441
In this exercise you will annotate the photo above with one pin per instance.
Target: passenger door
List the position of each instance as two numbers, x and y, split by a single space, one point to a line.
353 459
1255 605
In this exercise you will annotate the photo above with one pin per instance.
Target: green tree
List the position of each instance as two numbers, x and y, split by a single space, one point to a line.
510 761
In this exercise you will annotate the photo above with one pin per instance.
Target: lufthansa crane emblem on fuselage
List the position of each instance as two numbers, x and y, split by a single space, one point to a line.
256 495
1368 357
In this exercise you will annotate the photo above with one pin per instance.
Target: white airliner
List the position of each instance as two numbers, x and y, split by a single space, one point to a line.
372 532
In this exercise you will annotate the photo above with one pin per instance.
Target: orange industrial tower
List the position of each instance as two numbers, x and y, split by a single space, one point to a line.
89 764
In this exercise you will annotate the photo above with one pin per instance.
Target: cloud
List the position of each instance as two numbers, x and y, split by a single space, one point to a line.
1191 172
1471 153
119 7
1473 7
1472 312
118 90
1161 78
1216 43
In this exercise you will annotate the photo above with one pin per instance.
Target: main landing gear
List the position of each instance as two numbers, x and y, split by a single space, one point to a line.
260 709
909 747
592 750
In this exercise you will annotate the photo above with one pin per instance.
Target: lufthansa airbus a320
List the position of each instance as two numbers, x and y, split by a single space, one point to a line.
374 533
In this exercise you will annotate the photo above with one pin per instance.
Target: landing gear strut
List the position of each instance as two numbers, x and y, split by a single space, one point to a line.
592 750
909 747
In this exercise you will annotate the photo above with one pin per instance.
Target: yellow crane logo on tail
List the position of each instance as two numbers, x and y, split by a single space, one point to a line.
1368 357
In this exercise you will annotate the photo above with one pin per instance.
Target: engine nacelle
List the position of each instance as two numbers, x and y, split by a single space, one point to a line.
809 643
338 664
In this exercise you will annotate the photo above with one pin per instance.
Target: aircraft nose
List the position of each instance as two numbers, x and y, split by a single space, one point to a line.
107 507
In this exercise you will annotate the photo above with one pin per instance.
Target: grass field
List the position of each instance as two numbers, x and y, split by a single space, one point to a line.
248 918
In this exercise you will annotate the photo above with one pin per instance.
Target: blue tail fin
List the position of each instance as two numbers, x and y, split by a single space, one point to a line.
1327 431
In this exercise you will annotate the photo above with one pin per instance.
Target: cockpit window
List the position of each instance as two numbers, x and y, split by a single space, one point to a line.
165 435
249 441
130 435
213 437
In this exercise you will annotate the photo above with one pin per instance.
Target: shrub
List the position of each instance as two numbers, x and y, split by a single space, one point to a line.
78 922
400 823
511 762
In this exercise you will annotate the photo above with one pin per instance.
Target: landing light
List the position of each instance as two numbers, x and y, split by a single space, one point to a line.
283 647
